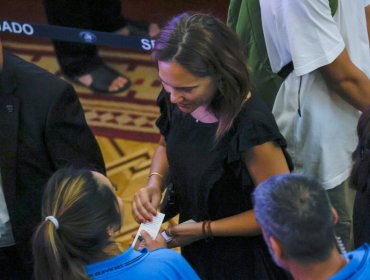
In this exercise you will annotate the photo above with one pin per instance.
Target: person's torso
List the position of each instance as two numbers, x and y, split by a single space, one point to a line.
358 266
318 125
158 264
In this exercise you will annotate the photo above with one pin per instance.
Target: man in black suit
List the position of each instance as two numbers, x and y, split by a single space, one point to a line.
42 128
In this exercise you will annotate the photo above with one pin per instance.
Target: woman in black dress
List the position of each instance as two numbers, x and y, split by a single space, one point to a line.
218 141
360 180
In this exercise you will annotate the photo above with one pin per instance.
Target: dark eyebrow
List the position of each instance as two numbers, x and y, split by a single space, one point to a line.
185 88
180 88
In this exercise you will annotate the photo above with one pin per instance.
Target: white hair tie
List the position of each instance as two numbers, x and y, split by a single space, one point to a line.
53 220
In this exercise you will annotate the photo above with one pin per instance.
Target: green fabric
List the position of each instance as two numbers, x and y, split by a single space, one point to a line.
333 6
244 16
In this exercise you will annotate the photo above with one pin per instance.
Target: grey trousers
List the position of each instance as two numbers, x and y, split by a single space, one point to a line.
342 198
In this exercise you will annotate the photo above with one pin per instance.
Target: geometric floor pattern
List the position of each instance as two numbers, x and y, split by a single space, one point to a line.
127 165
124 124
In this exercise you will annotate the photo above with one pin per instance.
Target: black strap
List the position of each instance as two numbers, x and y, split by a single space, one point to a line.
286 70
77 35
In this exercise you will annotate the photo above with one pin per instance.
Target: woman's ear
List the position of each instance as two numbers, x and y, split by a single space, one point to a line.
110 231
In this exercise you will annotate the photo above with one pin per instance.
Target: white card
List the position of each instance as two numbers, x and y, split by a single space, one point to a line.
152 228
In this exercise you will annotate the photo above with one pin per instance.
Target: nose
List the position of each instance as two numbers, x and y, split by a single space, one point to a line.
175 96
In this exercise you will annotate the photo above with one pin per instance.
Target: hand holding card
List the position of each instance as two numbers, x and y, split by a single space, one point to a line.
152 228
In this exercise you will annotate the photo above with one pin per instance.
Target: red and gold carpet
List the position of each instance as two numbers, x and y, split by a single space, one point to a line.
124 124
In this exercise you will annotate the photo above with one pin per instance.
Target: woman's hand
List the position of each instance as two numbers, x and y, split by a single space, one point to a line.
145 203
184 234
146 241
153 244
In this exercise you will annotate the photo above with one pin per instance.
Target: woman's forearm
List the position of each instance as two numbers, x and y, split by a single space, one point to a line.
159 166
243 224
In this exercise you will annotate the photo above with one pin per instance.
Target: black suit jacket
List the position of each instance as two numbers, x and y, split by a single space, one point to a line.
42 128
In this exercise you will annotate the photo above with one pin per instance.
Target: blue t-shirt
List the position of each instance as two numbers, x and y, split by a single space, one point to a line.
131 264
358 266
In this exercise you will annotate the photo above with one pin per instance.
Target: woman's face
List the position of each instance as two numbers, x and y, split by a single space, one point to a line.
105 181
186 91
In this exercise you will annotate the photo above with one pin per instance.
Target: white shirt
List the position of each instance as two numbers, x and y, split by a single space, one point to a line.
322 140
6 235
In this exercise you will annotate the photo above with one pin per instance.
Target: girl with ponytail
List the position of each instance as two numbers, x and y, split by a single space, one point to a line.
75 239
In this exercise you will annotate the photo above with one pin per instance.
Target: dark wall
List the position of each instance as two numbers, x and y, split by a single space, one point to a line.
154 10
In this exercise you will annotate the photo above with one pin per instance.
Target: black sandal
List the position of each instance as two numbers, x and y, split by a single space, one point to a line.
102 77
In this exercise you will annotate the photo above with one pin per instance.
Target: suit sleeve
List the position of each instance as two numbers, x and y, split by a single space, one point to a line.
68 138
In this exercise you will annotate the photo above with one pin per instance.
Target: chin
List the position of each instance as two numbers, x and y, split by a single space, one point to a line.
185 109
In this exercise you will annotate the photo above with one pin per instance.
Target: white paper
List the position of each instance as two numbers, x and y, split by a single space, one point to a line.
152 228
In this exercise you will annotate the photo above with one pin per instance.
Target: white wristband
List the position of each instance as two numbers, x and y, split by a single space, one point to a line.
165 236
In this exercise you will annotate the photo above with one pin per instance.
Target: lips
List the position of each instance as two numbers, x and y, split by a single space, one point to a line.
183 106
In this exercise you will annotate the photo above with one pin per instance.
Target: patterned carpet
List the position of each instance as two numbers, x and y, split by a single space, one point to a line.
124 124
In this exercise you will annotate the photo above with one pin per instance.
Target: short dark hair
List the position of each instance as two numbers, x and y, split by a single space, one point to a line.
296 211
85 209
360 174
205 46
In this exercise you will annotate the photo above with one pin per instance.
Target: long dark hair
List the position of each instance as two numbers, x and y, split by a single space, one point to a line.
84 209
205 46
360 175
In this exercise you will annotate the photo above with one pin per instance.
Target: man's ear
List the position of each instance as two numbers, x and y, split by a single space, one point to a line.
335 215
276 248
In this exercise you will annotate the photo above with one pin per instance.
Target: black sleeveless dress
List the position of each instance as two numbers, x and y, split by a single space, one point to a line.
211 182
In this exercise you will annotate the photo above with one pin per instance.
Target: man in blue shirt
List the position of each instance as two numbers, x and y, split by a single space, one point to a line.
297 222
